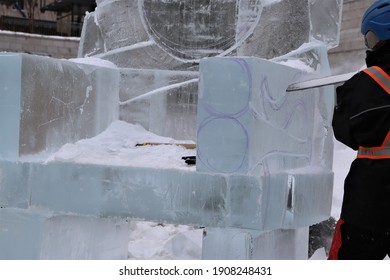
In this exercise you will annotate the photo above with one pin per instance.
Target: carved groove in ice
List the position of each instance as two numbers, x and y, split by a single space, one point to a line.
197 25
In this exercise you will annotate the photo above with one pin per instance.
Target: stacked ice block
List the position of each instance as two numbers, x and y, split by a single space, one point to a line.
263 156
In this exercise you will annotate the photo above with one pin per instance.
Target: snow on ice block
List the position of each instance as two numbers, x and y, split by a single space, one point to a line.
48 102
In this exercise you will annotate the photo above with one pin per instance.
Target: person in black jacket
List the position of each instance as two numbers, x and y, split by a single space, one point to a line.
362 121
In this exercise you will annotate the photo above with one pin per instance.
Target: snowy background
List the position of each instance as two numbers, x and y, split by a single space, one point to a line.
148 240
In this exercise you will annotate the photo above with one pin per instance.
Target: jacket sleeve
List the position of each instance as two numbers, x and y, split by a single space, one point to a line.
362 113
341 115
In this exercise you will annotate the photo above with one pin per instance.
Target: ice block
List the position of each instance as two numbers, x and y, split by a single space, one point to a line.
21 233
48 102
247 123
85 238
236 244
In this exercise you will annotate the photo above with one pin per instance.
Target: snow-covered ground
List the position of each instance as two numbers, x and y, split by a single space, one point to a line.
147 240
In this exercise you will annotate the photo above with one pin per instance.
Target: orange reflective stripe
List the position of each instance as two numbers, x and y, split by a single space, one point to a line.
380 152
383 151
379 76
374 156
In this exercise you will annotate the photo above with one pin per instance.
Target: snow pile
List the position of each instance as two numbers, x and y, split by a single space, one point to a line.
151 241
117 146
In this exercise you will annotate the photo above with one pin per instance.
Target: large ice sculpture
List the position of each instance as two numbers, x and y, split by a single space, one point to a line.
174 35
264 156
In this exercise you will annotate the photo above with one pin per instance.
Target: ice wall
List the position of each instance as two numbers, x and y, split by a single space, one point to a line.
174 35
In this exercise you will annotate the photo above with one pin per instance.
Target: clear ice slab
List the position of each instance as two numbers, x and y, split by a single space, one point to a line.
46 103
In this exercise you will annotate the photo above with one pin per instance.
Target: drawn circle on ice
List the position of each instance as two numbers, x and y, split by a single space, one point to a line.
236 87
191 30
237 145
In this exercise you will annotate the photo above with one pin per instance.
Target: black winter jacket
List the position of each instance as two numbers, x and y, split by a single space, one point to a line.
362 118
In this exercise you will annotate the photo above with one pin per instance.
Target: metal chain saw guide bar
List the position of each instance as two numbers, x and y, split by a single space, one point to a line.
326 81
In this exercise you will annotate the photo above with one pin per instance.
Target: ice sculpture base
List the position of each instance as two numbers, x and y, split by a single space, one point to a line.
172 196
44 195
